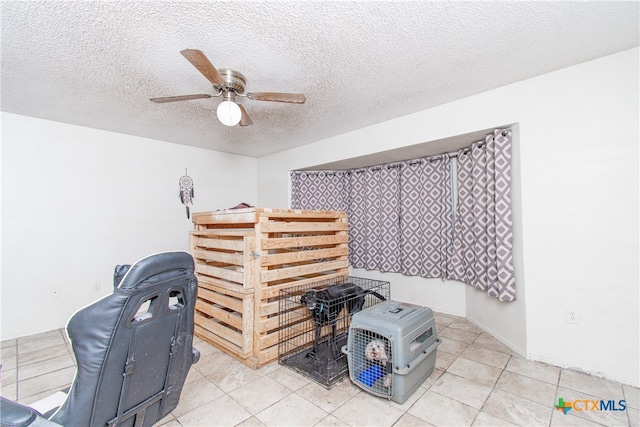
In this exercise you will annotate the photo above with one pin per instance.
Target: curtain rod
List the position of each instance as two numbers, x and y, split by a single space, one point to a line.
411 162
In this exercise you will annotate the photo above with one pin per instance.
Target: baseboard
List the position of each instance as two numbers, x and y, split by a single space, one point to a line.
520 351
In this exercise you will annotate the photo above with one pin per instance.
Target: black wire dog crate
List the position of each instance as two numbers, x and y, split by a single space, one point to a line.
314 324
391 349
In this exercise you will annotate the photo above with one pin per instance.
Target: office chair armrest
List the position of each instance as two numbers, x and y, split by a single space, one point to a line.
196 356
15 414
47 406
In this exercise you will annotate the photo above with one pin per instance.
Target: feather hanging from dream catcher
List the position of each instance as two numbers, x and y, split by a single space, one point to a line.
186 191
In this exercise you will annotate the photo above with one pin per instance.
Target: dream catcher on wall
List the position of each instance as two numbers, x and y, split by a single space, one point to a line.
186 191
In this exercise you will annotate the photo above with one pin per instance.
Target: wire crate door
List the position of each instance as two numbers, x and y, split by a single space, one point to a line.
371 361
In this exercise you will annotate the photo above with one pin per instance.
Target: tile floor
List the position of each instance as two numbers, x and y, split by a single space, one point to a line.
477 382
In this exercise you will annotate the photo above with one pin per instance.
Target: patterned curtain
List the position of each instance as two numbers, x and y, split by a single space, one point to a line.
320 190
390 258
357 219
374 218
483 243
426 223
401 215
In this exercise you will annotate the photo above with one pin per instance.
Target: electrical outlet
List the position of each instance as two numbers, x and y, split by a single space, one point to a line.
97 286
573 316
54 292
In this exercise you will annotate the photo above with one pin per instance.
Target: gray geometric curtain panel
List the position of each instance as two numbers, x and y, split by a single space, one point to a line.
426 223
357 216
381 210
389 255
372 226
320 190
483 244
438 219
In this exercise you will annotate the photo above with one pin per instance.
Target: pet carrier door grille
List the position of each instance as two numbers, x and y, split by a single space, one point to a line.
372 361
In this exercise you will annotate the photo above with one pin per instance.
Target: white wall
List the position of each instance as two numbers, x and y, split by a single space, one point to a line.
579 156
441 296
77 201
578 142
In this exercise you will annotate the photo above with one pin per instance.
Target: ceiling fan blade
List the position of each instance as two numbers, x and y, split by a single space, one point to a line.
179 98
245 120
294 98
200 61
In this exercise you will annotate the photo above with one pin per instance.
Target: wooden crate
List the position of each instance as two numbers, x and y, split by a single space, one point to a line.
225 318
245 257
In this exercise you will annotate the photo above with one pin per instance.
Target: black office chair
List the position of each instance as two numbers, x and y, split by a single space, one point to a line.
133 349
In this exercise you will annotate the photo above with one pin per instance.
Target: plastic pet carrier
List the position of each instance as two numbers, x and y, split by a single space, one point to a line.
314 324
391 349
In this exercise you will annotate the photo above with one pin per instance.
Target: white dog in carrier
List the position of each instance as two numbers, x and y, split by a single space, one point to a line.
391 349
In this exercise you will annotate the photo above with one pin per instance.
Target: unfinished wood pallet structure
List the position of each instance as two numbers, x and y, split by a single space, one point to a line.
245 257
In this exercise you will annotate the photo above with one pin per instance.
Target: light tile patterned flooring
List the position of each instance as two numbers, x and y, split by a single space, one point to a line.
477 381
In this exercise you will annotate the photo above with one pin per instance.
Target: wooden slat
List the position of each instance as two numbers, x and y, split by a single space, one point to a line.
247 324
235 216
215 282
218 341
274 290
269 308
268 355
233 319
294 242
257 290
225 273
301 256
303 214
301 270
235 245
248 215
210 325
302 227
267 324
302 334
234 304
296 339
223 232
269 340
217 256
251 263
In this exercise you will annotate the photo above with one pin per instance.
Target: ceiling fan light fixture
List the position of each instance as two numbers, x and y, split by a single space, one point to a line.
228 83
229 113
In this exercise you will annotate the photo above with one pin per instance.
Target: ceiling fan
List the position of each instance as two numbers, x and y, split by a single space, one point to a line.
228 84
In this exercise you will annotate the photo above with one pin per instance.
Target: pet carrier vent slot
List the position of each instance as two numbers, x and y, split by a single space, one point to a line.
421 339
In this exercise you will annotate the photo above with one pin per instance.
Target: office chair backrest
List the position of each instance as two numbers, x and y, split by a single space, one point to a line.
134 347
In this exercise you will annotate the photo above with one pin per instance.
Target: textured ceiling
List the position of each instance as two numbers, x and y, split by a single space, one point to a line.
96 64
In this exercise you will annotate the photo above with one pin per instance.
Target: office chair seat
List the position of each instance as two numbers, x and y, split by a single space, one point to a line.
133 349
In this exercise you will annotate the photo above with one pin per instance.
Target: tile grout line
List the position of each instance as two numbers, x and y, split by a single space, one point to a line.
17 371
493 387
16 383
18 365
556 395
624 395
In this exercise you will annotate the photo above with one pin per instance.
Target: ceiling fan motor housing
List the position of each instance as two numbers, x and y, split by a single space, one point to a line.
233 80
